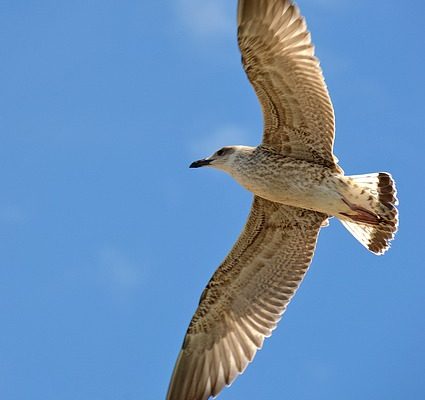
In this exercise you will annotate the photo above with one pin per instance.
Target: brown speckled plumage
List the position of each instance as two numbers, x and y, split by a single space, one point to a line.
278 57
297 184
245 298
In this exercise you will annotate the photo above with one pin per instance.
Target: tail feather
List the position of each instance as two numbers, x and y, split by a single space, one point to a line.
373 197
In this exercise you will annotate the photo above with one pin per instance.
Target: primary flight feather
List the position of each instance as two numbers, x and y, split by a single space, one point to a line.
297 185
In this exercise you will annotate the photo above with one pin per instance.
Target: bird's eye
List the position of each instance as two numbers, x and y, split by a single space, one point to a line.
220 152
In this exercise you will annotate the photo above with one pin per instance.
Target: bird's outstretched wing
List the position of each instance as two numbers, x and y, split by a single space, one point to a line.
278 57
245 298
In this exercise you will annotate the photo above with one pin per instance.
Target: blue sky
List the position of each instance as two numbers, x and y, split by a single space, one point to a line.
107 238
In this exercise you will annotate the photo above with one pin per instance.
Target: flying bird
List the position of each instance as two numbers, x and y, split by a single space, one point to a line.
297 186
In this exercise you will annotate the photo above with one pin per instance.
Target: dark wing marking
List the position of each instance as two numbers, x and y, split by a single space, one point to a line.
278 57
245 298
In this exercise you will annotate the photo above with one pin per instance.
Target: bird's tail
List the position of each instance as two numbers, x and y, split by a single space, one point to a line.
373 219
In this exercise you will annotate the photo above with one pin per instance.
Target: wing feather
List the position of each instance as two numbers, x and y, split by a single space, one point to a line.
278 58
245 298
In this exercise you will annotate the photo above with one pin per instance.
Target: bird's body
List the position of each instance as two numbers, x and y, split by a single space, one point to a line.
286 180
297 185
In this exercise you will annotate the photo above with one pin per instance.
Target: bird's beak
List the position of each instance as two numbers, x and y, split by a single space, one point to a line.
200 163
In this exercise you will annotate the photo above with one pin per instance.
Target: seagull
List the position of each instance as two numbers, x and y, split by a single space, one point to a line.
297 186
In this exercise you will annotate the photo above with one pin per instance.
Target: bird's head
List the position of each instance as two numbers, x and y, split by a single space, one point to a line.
225 158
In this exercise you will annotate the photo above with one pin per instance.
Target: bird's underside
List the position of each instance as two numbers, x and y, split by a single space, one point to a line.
247 295
245 298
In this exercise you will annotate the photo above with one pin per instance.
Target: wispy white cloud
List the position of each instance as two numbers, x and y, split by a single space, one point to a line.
319 370
118 271
224 136
206 17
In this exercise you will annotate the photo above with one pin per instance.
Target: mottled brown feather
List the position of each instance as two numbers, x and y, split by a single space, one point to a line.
245 298
278 58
